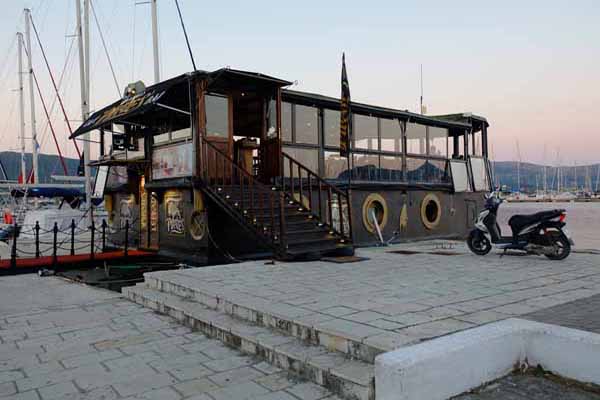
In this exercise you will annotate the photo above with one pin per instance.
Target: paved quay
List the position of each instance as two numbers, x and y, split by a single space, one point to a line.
391 300
63 340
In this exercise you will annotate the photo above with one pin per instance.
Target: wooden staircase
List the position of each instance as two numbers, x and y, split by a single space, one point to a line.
297 215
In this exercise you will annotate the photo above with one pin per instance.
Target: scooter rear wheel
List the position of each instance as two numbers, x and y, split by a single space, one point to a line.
561 245
478 243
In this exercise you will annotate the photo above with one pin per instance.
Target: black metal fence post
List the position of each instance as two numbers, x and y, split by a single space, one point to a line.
103 235
72 237
54 245
13 252
93 228
126 236
37 239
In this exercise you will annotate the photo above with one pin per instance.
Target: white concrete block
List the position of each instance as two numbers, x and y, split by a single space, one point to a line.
450 365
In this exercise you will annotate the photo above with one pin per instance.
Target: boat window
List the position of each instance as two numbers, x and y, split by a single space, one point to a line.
475 144
460 176
217 115
181 134
391 168
332 127
307 125
272 118
438 141
391 135
286 122
480 175
365 167
416 135
365 133
335 165
420 170
305 156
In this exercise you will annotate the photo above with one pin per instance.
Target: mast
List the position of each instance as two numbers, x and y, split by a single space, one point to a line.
21 108
155 41
84 89
34 142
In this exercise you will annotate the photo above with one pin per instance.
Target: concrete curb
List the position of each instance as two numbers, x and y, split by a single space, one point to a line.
453 364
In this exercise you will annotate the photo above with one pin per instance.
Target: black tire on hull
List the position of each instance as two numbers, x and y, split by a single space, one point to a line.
478 243
562 244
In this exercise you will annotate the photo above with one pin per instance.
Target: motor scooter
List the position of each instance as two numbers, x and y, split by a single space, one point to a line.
542 233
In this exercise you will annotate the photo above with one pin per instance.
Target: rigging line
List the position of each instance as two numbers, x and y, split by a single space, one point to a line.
60 80
9 52
55 87
37 85
187 41
133 45
112 70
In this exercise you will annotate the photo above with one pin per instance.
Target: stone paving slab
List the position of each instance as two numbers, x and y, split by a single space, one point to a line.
62 340
396 299
528 387
583 314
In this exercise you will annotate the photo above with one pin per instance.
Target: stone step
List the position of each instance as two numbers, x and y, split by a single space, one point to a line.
275 316
348 378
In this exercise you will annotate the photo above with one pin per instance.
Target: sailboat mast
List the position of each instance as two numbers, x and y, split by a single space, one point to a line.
21 107
34 142
84 88
155 41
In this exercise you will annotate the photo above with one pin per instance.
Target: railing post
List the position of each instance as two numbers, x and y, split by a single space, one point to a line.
103 235
72 237
54 245
310 192
330 219
341 213
37 239
13 252
282 233
320 202
92 241
349 208
126 236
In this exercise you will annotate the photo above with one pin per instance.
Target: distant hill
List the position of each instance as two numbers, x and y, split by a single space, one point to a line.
532 176
49 165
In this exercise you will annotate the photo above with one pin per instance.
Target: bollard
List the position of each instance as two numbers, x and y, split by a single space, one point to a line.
13 252
126 236
72 237
93 228
54 245
37 239
103 235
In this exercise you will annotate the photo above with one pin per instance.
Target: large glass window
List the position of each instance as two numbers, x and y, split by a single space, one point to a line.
335 165
391 135
307 131
438 141
331 124
217 115
286 122
480 175
271 118
391 168
415 170
364 132
307 157
366 167
476 144
416 137
460 176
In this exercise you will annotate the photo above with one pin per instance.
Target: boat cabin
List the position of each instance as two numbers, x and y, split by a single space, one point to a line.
229 163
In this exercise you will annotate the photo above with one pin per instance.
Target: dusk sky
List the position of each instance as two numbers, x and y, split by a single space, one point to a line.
532 68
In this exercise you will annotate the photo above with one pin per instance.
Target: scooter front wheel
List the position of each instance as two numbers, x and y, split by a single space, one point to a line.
478 243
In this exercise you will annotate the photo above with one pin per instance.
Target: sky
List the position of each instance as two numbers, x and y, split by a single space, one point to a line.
532 68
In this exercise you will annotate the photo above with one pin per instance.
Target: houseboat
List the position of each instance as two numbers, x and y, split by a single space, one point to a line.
232 163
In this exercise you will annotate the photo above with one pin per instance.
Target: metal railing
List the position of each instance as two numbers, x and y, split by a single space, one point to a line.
301 183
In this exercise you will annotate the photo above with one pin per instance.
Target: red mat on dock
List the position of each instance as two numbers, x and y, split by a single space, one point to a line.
47 261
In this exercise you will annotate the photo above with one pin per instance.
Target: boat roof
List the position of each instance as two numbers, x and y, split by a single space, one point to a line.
332 102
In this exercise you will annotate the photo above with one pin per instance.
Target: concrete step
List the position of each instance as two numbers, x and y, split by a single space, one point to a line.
270 315
348 378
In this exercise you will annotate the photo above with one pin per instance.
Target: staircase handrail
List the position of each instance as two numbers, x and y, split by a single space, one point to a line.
253 182
322 185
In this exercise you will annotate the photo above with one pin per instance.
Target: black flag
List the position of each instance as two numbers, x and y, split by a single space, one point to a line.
345 117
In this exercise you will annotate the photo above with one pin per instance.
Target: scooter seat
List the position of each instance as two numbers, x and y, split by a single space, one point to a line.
518 222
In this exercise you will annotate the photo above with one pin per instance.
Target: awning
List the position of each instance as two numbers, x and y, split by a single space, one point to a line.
130 106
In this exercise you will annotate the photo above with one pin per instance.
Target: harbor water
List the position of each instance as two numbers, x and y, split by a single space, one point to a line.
583 220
